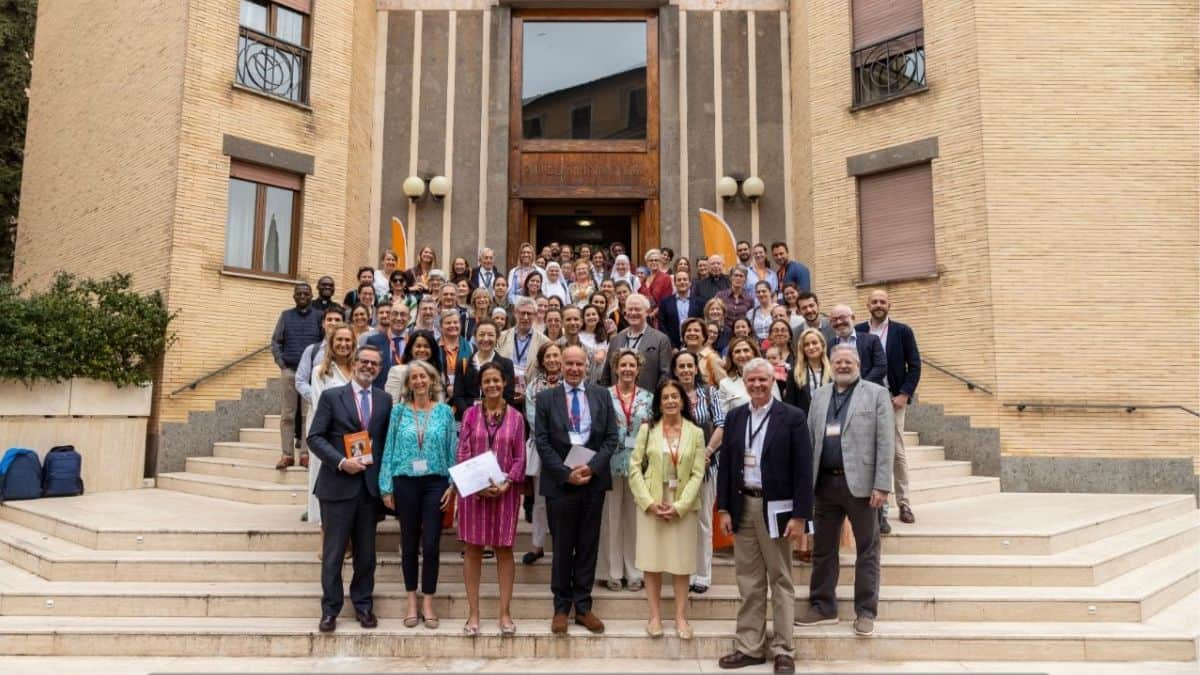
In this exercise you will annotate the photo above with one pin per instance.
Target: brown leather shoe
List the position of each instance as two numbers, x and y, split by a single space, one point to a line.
906 514
304 459
739 660
590 621
285 461
784 665
558 625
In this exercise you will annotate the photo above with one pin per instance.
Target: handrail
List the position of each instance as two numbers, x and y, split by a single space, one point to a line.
970 385
1127 407
193 384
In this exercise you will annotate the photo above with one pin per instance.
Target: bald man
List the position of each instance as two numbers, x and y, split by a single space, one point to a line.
872 360
716 281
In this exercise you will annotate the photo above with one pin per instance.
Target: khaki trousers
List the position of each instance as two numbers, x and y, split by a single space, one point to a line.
899 464
761 562
289 401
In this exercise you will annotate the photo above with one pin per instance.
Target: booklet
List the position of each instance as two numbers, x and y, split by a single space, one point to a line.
775 509
476 474
578 456
358 444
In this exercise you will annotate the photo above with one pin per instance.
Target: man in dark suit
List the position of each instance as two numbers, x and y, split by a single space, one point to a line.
677 308
391 342
870 349
765 462
903 374
574 414
348 487
652 344
486 273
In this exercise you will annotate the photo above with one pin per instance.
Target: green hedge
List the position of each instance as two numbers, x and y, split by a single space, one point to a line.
82 328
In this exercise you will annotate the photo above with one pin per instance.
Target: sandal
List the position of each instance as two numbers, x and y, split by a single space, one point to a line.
471 631
508 630
412 621
612 585
635 586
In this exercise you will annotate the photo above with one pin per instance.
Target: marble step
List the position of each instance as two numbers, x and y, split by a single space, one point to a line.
892 641
245 469
60 560
235 489
946 489
925 473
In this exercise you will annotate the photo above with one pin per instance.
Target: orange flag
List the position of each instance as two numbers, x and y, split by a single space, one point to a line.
718 237
399 244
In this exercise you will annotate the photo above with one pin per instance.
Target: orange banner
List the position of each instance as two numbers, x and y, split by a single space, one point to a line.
399 243
718 237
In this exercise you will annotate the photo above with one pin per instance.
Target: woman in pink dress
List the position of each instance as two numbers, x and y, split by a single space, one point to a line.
489 518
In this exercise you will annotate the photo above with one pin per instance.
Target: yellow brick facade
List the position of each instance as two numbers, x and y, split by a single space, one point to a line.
1065 206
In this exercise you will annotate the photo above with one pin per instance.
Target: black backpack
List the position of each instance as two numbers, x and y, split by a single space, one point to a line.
20 475
61 472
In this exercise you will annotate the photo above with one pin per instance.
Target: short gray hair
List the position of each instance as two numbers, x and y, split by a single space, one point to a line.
758 363
637 297
524 301
844 347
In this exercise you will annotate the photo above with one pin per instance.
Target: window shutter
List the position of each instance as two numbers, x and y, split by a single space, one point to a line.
266 175
878 20
895 212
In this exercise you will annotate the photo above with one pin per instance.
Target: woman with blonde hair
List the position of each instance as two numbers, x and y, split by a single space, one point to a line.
383 276
812 370
414 480
714 312
733 388
583 287
333 370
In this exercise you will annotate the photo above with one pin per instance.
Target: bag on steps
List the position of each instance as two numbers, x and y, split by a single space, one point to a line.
20 475
61 472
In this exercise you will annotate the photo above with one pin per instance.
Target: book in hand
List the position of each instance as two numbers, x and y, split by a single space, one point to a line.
358 444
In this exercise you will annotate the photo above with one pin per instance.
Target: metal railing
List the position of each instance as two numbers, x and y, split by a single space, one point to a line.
973 386
1130 408
272 66
209 375
889 69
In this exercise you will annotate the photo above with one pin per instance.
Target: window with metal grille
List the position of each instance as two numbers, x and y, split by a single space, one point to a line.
888 60
274 48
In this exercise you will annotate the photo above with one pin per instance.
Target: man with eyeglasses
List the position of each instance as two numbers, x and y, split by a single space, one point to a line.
520 344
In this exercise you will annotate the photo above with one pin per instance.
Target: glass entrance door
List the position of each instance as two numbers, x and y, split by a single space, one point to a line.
598 227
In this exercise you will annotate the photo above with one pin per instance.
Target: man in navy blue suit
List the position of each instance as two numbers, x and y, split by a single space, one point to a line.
903 374
870 350
677 308
348 486
391 342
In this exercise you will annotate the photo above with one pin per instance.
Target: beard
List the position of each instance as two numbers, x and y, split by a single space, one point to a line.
844 379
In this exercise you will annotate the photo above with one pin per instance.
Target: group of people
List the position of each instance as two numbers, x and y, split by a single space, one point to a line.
631 412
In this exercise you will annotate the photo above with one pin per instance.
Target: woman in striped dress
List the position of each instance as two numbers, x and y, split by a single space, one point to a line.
489 518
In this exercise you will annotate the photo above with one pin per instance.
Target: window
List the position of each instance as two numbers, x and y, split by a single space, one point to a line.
532 127
888 60
637 109
273 48
263 222
581 122
895 213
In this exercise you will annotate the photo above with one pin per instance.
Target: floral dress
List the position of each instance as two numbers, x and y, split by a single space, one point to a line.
630 416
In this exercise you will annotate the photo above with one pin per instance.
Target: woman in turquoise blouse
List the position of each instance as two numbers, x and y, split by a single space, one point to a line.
414 479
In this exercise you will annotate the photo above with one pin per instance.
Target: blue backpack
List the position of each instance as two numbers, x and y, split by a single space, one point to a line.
20 475
61 472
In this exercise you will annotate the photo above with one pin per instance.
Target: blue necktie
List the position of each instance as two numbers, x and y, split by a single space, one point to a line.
576 411
364 407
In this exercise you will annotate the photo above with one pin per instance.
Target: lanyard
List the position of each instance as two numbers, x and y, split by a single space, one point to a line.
489 429
837 409
520 353
451 361
420 424
633 343
813 380
754 432
626 408
673 448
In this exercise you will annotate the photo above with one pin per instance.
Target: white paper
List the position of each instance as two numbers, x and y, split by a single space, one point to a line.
578 456
774 508
474 474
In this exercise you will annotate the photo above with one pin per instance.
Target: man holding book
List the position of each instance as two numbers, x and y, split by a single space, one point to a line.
350 424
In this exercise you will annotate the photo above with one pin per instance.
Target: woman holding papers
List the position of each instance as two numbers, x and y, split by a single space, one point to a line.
632 405
489 518
665 474
414 478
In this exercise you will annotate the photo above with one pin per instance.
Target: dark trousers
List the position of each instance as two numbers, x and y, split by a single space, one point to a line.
575 526
348 520
833 503
418 506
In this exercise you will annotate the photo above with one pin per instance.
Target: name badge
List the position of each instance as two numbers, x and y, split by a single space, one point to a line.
672 484
577 438
833 429
630 442
420 466
749 461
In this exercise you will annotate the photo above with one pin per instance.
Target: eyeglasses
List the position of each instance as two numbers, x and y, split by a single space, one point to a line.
372 364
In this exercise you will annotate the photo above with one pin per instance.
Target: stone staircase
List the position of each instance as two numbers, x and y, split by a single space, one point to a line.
216 562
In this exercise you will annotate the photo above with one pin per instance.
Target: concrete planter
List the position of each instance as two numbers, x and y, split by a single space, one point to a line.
79 397
40 398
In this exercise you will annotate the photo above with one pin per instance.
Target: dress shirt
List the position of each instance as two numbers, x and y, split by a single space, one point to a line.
852 340
880 331
682 305
585 413
752 476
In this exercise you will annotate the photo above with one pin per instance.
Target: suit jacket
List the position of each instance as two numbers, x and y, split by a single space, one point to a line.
380 341
506 346
794 394
551 436
476 279
668 317
336 416
903 358
787 461
647 486
872 362
868 437
654 347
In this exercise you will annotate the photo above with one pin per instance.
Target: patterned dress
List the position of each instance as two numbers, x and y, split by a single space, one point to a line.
627 427
486 521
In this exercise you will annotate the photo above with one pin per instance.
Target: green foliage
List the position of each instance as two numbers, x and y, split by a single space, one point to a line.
17 21
83 328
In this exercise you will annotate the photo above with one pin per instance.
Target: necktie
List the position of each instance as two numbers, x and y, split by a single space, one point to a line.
487 279
576 411
364 407
397 347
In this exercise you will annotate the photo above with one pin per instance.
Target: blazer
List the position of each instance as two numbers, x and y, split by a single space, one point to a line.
647 486
668 317
466 384
506 346
551 436
476 279
787 461
867 437
796 395
903 358
654 347
380 342
336 416
872 362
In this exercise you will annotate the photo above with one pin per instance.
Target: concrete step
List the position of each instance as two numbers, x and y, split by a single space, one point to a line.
924 454
268 436
60 560
911 438
925 473
1132 597
234 489
245 469
946 489
892 641
265 453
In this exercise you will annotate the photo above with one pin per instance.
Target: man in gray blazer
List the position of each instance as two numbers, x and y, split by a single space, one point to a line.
851 425
652 344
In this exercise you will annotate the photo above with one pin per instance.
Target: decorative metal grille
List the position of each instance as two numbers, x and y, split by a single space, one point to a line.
889 69
272 66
